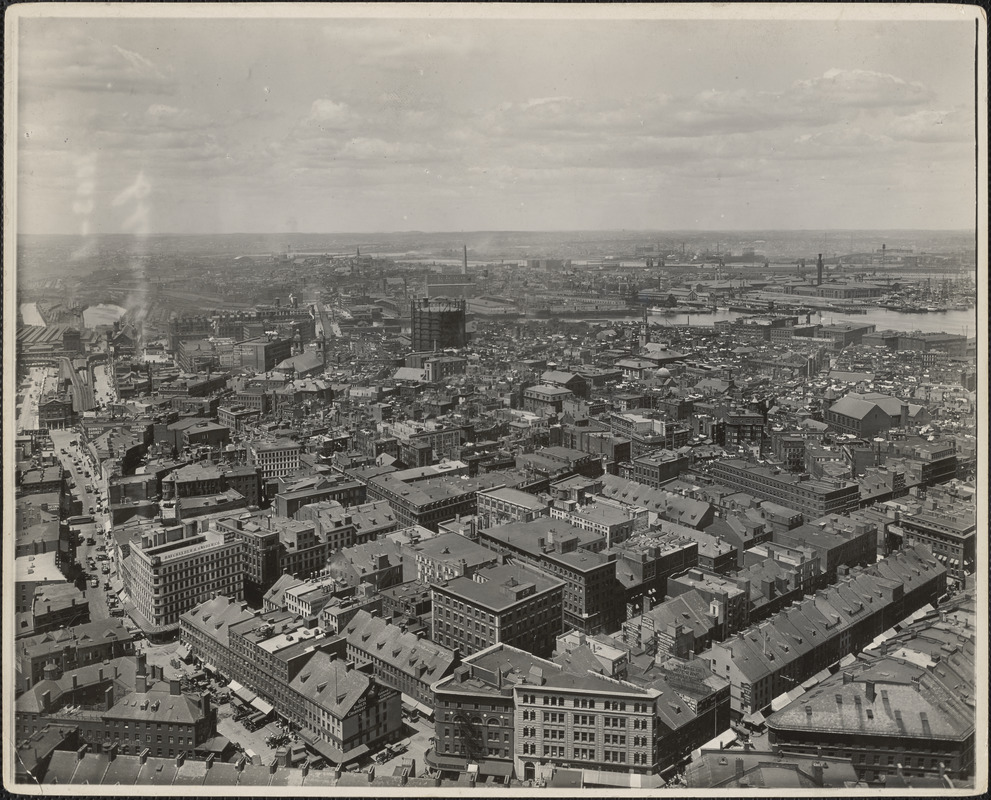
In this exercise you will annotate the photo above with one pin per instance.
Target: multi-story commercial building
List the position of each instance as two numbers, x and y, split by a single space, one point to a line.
813 498
438 368
379 564
448 556
441 441
789 449
294 494
303 549
591 601
509 603
204 630
775 656
505 707
432 500
948 527
934 462
352 525
408 663
679 627
644 564
905 709
802 561
198 480
731 597
70 648
658 467
648 434
475 713
836 540
261 354
157 717
611 523
545 399
260 550
237 418
743 428
54 606
276 458
340 712
660 504
502 505
166 573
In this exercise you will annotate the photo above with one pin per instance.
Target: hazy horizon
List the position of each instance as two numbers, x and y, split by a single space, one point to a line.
452 232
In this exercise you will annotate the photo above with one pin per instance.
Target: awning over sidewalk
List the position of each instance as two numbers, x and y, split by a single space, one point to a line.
261 705
412 703
623 780
334 755
754 718
240 692
502 769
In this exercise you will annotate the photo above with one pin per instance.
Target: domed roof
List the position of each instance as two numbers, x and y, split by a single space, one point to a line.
663 373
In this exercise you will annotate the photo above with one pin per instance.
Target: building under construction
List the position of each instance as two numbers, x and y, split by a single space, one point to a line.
437 323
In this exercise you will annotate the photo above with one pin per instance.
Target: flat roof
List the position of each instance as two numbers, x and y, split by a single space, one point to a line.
500 586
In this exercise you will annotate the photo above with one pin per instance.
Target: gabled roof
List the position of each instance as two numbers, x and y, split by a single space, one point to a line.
418 657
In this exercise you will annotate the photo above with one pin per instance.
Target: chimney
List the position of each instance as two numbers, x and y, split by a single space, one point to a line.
904 415
175 687
819 270
110 748
273 766
209 761
740 769
81 752
817 773
871 692
141 684
142 664
108 698
144 755
180 759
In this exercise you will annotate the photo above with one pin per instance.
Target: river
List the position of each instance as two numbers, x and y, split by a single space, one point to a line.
960 322
30 315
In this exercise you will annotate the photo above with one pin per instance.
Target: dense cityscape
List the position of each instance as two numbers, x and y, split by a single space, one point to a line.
500 399
651 511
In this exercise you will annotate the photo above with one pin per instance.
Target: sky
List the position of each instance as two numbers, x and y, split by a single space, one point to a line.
180 125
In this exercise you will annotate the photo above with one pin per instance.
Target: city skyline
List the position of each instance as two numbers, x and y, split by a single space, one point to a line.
230 125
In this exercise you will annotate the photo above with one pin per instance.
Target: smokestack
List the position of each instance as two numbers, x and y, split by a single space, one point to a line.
819 270
464 264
